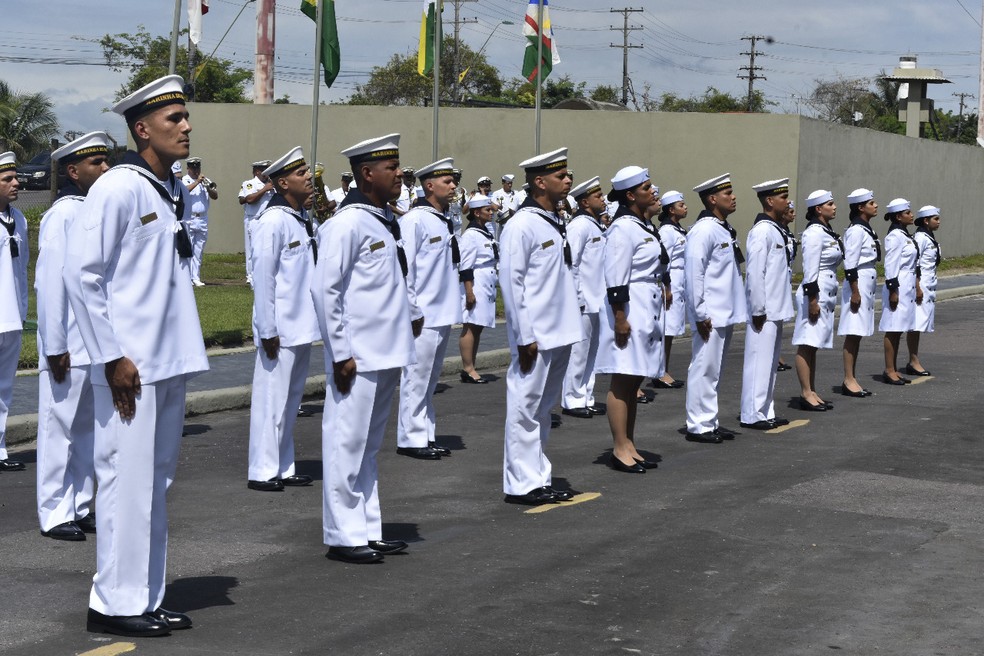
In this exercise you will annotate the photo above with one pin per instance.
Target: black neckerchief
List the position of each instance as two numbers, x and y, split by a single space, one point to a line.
792 240
590 216
673 224
70 189
782 231
182 242
305 220
829 232
554 220
475 225
739 257
871 233
384 215
929 233
11 228
624 213
455 249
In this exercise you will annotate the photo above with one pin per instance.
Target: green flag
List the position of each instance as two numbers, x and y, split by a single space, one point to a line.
330 52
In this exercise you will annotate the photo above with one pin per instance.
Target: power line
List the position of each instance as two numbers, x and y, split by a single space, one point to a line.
752 68
625 29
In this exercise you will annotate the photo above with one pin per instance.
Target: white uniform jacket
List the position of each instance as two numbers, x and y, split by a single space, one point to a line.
536 281
508 201
58 331
587 241
432 273
929 258
198 199
250 187
479 263
359 291
283 268
131 292
713 279
674 238
861 248
823 251
901 273
767 275
13 271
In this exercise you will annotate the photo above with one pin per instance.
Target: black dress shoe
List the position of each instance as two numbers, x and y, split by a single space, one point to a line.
889 381
912 371
133 626
761 424
598 409
647 464
387 547
535 497
301 412
266 486
710 437
555 421
443 450
782 366
580 413
297 480
860 394
465 378
828 405
642 399
662 384
11 465
724 433
176 621
809 407
69 531
87 523
779 421
356 555
419 452
561 495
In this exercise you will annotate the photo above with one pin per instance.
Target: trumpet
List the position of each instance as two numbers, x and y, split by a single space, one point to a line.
208 183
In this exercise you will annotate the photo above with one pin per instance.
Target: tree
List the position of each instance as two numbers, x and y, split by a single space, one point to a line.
146 58
27 122
521 91
712 102
863 102
398 83
606 93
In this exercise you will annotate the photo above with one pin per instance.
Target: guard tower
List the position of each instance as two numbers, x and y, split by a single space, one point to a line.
914 106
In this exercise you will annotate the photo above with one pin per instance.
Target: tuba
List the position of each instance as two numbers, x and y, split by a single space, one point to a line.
321 200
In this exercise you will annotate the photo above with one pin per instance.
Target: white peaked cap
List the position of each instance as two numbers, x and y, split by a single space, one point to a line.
291 160
161 92
552 161
386 147
94 143
586 187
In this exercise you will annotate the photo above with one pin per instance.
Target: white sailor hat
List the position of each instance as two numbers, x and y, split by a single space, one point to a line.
897 205
861 195
347 175
193 161
164 91
547 162
294 158
819 197
478 200
927 211
8 161
262 164
628 177
587 187
509 177
714 185
377 148
772 187
88 145
671 197
438 169
408 170
484 180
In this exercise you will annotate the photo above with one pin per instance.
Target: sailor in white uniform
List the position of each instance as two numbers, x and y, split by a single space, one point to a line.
770 304
201 192
284 255
479 276
927 223
542 322
585 234
433 255
862 251
715 303
506 198
129 283
674 237
902 291
66 409
254 195
368 326
338 195
13 294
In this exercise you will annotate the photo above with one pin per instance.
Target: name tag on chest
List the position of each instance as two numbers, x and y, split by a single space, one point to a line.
375 247
434 240
547 244
144 220
596 239
293 244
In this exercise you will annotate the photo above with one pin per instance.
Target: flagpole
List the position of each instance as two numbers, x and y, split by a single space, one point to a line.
437 74
173 63
539 69
313 155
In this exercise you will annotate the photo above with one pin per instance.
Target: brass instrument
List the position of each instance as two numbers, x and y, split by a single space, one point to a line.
208 183
321 199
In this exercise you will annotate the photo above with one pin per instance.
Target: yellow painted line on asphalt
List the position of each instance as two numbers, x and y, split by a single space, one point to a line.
579 498
111 650
796 423
920 380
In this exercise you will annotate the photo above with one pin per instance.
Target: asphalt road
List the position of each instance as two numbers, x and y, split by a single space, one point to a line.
857 533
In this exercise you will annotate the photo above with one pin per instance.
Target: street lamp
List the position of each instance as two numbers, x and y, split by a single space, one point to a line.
461 78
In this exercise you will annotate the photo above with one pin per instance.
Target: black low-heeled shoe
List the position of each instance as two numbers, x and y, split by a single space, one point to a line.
618 465
465 378
782 366
646 464
912 371
889 381
642 399
860 394
809 407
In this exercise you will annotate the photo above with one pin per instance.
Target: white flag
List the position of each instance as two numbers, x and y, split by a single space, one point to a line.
196 9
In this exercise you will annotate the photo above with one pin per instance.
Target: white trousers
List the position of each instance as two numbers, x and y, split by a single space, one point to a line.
278 387
135 462
758 378
529 398
703 378
10 345
248 239
198 233
416 425
66 424
579 381
351 434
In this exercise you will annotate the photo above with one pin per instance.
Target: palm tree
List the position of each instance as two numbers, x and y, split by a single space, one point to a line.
27 122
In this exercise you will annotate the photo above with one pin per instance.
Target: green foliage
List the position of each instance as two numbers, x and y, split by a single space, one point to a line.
711 102
146 58
27 122
606 93
520 91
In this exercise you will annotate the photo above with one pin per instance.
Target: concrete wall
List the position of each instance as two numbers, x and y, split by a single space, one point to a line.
680 150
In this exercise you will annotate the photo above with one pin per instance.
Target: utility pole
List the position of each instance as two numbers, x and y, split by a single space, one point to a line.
455 60
961 96
752 68
625 29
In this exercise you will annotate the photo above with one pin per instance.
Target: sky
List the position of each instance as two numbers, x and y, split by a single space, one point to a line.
687 45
